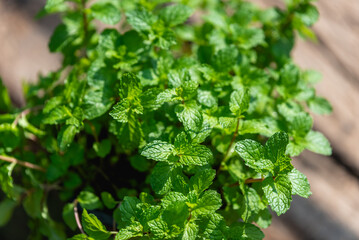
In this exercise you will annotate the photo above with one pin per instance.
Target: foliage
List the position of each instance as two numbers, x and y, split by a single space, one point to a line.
174 122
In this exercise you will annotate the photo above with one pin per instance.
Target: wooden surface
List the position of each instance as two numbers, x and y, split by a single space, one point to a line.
332 212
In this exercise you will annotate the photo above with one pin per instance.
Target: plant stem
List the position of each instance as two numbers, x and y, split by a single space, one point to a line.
77 218
248 181
22 163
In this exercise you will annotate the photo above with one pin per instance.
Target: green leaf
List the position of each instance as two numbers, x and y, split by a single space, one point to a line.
99 97
61 38
248 37
176 213
53 6
206 98
7 207
276 145
108 200
250 204
212 226
208 203
81 237
140 163
252 153
140 20
121 110
162 177
190 116
175 14
264 218
301 124
106 12
88 200
159 228
57 115
93 227
158 150
66 136
102 148
225 59
32 203
318 143
9 136
300 184
278 193
131 231
128 208
239 102
320 106
69 216
307 14
195 155
245 231
202 180
190 231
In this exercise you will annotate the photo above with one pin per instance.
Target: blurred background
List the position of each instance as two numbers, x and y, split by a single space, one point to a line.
332 212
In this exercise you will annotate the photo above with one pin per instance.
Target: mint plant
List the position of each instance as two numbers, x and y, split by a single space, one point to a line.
167 120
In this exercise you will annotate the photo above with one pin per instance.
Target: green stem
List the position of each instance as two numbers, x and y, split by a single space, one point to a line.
226 155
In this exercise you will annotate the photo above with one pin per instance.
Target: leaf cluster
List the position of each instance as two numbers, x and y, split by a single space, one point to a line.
167 120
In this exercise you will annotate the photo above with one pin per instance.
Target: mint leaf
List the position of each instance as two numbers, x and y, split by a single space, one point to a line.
206 98
318 143
252 153
175 14
106 12
264 218
81 237
131 231
69 216
128 208
121 110
301 124
102 148
276 145
245 231
7 207
57 115
212 226
250 204
190 116
209 202
140 20
278 193
320 105
88 200
159 228
202 180
195 155
66 136
93 227
225 58
239 102
158 150
190 231
108 200
300 184
162 177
